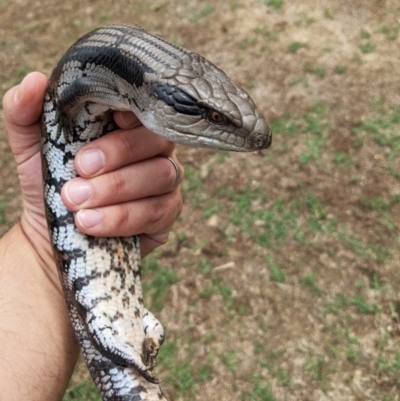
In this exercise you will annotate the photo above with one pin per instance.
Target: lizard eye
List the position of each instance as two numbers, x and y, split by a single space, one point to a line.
216 117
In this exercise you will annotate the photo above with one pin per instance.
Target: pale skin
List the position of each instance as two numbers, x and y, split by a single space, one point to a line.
128 188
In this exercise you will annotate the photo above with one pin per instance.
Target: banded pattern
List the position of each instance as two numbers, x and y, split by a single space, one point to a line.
174 93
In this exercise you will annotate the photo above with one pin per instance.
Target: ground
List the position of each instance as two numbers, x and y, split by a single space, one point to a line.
280 280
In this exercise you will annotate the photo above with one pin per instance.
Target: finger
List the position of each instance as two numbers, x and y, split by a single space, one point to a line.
151 177
149 216
118 149
150 242
126 119
22 107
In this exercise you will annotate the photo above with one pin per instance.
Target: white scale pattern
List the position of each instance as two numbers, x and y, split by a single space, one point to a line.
54 199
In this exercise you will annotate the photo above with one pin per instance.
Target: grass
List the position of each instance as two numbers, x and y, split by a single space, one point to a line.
237 5
267 227
265 32
82 391
270 359
316 70
340 69
246 43
367 47
328 14
192 182
20 74
317 368
230 360
379 204
286 126
391 32
364 34
275 272
260 392
204 373
352 354
389 365
305 21
317 129
376 282
359 304
158 282
342 159
299 81
309 280
215 284
3 207
7 43
206 10
384 130
180 373
218 287
4 2
275 4
368 251
294 47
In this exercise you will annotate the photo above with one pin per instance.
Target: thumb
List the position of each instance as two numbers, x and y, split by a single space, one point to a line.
22 107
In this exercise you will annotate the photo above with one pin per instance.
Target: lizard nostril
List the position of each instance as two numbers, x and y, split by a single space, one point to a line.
262 141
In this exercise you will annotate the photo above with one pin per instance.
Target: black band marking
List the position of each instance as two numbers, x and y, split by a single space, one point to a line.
178 99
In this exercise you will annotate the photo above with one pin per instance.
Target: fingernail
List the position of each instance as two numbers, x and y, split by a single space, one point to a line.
89 218
78 191
91 161
18 93
19 90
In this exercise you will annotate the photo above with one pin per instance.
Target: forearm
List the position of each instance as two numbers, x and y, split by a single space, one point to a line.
38 348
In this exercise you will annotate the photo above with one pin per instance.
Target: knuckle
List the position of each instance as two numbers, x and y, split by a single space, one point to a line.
120 150
167 173
118 185
177 202
121 218
166 146
181 173
127 144
165 210
170 146
162 239
156 212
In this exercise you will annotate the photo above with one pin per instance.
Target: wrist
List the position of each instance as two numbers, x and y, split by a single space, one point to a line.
37 339
36 234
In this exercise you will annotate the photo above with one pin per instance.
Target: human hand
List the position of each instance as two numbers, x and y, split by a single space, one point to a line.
126 183
134 191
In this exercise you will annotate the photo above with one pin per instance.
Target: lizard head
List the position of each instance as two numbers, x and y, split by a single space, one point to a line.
201 106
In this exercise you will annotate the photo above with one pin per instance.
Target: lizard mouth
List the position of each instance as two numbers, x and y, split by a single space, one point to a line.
191 139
